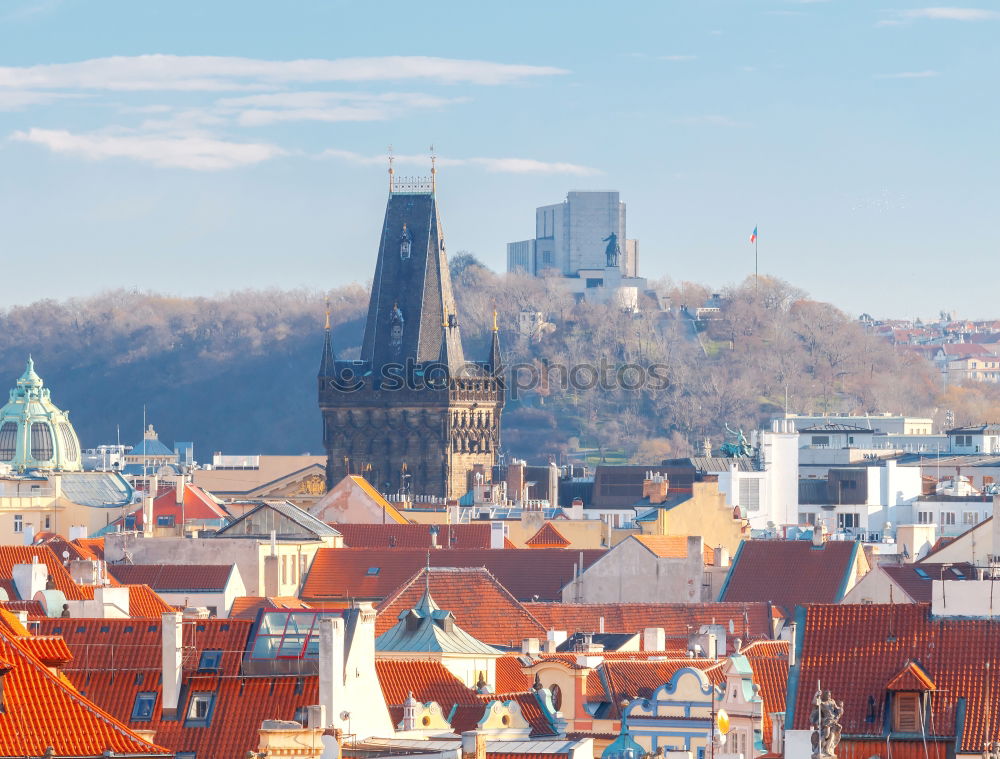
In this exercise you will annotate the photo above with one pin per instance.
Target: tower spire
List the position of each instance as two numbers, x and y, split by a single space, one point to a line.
433 170
494 363
327 364
391 159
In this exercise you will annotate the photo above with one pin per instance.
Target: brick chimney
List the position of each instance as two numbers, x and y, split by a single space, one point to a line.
655 487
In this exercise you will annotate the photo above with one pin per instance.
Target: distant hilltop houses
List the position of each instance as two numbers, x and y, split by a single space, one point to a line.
961 350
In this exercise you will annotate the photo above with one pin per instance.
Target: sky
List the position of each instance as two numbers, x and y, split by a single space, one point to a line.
194 148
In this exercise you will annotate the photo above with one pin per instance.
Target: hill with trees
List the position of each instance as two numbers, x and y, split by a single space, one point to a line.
237 373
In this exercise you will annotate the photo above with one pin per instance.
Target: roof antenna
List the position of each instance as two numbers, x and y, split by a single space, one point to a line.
391 159
427 574
433 169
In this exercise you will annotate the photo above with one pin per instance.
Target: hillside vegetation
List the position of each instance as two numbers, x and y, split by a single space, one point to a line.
237 373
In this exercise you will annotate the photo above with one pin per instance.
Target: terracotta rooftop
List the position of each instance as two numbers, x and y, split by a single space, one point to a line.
916 579
628 679
42 711
481 605
751 620
175 578
547 537
414 535
11 555
769 662
673 547
246 607
429 681
790 572
372 574
857 651
142 601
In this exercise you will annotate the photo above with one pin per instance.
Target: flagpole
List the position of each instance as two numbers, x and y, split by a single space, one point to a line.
755 238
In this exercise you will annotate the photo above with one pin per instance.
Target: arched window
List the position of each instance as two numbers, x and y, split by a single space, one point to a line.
8 441
41 441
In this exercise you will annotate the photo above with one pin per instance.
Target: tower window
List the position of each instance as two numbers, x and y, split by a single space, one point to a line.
906 714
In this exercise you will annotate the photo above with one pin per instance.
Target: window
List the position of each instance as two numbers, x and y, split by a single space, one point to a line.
184 755
142 710
906 713
41 441
594 282
48 523
8 441
963 441
18 523
165 520
750 494
199 712
301 715
970 517
210 661
807 517
847 521
821 441
925 517
947 517
288 635
70 449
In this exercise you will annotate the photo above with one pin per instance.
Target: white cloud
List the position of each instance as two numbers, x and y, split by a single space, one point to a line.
217 73
15 100
500 165
262 109
952 14
908 75
196 152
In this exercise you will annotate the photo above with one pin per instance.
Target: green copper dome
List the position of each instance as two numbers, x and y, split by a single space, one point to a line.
34 434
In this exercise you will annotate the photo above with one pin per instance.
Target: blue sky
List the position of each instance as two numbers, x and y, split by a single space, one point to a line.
193 147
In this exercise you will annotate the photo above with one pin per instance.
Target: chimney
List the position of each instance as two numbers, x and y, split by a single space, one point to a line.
791 644
473 745
819 534
553 484
77 531
654 639
28 534
995 551
331 667
147 507
554 639
655 487
600 625
515 481
530 647
56 481
85 571
434 536
720 556
498 532
713 646
173 643
179 489
316 717
29 579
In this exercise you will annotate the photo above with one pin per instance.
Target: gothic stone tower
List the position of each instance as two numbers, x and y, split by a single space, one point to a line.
411 413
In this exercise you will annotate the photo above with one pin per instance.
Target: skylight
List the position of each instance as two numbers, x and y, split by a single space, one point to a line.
921 573
372 571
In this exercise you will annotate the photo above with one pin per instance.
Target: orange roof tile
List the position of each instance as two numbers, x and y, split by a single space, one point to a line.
510 678
857 650
414 535
911 678
246 607
481 605
769 662
41 711
665 546
93 545
429 681
372 574
625 679
11 555
790 572
751 620
547 537
376 496
175 578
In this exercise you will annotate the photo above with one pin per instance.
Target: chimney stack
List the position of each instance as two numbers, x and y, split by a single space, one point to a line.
173 642
654 639
655 487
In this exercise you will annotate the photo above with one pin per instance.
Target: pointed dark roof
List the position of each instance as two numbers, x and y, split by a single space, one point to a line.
494 362
411 289
327 366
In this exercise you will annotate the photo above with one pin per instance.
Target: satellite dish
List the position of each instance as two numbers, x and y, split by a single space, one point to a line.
345 715
732 627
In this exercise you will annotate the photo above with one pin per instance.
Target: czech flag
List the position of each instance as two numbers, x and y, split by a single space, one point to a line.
753 237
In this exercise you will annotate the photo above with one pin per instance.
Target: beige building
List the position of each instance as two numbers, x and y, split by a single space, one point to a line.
299 479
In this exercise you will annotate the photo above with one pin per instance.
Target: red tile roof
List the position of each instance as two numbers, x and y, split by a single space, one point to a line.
510 678
428 680
769 662
481 605
142 600
246 607
199 505
547 537
891 749
751 620
625 680
115 645
857 650
174 578
790 572
475 536
11 555
60 545
42 711
917 586
92 545
372 574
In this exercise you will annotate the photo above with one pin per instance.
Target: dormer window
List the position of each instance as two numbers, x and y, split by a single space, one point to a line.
404 243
